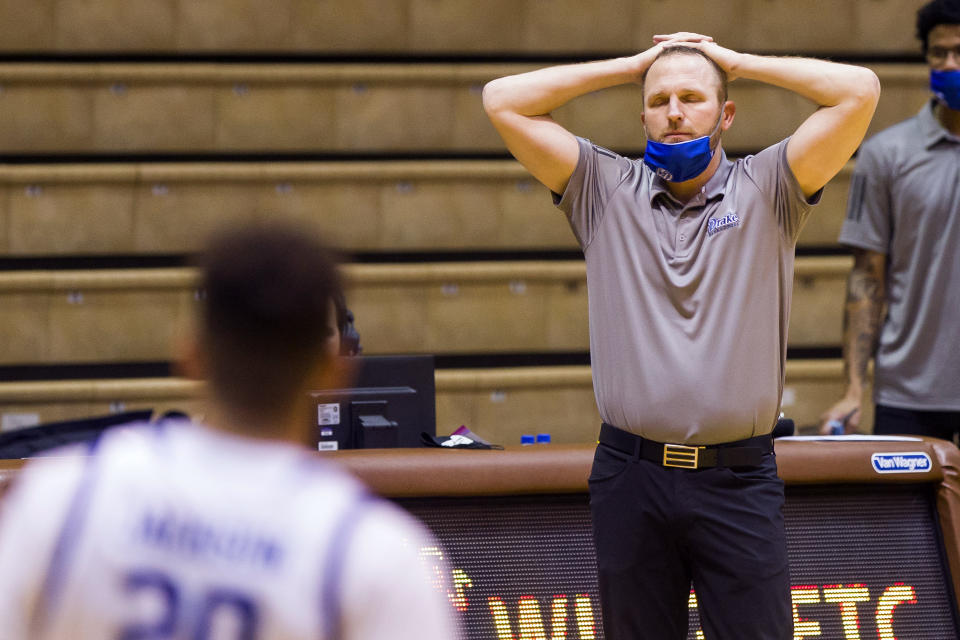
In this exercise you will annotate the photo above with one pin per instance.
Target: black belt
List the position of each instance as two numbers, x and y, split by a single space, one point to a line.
742 453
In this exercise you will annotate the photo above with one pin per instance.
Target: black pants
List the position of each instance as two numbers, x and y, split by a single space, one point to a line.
657 530
895 421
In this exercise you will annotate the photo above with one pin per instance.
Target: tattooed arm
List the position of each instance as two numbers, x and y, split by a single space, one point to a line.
863 313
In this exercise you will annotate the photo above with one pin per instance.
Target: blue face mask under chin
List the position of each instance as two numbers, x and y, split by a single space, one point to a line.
680 161
946 86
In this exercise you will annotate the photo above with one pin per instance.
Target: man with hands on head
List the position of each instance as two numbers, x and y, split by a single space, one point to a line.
903 224
689 267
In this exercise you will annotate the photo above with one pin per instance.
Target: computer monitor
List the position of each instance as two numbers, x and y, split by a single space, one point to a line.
392 401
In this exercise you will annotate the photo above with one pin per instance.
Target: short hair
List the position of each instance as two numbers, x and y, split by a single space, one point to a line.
267 295
681 50
934 14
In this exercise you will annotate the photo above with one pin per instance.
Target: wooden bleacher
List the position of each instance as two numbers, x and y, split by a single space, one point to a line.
133 315
450 26
344 108
144 208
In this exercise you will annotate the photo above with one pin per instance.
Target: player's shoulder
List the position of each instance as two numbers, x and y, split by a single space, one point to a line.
386 516
330 489
133 446
61 466
45 484
58 471
384 538
323 476
391 558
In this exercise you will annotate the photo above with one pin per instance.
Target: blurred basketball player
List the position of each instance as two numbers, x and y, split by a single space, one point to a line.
230 529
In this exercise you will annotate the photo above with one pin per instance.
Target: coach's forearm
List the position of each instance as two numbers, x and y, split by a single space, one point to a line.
826 83
539 92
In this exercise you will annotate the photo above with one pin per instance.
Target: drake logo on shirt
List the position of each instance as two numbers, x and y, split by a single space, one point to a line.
716 225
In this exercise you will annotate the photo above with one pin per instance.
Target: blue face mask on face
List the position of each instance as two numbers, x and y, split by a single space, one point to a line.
680 161
946 86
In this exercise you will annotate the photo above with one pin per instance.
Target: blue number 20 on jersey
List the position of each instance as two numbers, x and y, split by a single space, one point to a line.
213 610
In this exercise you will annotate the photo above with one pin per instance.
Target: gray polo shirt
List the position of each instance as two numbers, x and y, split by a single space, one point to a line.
905 202
688 303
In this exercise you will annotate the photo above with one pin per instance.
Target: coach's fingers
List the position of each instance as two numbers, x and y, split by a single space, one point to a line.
682 36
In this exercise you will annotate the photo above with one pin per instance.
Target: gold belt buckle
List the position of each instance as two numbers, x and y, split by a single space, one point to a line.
681 456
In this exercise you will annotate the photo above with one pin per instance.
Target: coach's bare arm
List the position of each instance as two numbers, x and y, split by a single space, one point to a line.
519 107
846 95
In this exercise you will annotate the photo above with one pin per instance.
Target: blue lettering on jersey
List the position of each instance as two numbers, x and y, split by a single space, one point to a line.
716 225
217 606
190 536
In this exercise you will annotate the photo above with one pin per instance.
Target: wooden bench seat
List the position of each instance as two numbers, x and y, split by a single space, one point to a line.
132 315
451 26
140 209
344 108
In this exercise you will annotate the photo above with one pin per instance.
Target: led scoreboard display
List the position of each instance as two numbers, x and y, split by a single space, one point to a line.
864 564
873 536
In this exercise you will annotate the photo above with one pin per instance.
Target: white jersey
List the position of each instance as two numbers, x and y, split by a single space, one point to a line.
185 532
